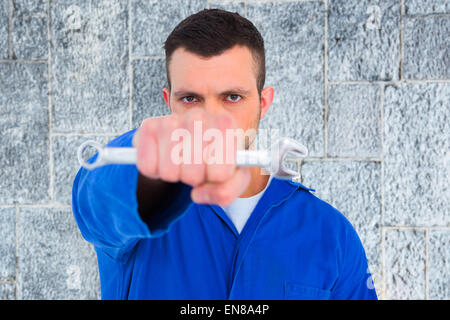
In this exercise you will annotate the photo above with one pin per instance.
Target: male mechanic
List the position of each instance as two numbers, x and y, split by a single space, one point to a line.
211 230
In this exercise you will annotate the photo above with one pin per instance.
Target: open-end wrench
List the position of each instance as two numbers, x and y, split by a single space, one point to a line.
271 160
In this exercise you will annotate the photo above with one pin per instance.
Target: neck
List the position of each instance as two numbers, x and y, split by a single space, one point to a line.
258 182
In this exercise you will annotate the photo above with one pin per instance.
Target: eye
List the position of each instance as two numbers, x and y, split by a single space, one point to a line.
189 99
234 97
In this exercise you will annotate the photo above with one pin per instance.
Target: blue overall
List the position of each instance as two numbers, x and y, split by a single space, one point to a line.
293 246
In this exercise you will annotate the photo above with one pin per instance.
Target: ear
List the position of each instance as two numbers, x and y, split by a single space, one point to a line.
266 100
166 96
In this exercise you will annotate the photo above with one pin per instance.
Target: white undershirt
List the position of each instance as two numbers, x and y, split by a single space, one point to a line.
241 208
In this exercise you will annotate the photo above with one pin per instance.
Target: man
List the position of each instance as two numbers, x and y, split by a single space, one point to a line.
164 229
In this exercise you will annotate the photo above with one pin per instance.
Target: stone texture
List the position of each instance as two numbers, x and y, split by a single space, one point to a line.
54 261
91 73
404 264
353 188
29 29
426 48
66 163
439 264
290 163
7 291
354 121
24 158
427 6
149 80
153 20
89 62
294 67
416 154
8 244
363 40
4 14
233 6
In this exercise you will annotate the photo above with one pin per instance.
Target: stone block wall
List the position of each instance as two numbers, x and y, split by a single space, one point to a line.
364 84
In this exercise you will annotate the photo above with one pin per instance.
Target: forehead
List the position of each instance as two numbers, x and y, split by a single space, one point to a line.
234 66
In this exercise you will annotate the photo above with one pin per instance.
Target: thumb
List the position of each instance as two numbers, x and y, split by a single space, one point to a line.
135 139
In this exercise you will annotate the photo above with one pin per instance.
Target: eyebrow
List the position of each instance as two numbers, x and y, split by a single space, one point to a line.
237 90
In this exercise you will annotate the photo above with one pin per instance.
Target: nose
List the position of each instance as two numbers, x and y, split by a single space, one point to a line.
214 107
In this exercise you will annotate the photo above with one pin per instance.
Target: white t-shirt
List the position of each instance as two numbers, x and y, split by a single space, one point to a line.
241 208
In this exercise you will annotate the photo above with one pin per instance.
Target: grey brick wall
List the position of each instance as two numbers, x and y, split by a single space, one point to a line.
365 84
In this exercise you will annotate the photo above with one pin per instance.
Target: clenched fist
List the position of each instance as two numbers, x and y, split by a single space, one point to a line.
162 155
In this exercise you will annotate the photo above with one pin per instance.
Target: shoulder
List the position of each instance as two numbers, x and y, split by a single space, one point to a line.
123 140
322 215
331 228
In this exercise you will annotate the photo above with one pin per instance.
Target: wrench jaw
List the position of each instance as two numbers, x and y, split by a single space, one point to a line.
280 150
98 161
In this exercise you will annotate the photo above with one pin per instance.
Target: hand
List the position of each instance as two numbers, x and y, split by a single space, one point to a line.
213 182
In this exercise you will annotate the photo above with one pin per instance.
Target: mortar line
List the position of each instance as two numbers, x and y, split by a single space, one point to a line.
383 263
403 227
427 15
31 61
130 68
325 79
329 159
48 205
83 134
276 1
383 257
7 280
402 12
133 58
391 82
299 169
50 107
36 205
16 221
10 17
427 294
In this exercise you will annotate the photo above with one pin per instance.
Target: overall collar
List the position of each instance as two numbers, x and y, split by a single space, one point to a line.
278 191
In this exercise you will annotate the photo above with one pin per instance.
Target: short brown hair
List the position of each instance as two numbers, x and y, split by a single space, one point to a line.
210 32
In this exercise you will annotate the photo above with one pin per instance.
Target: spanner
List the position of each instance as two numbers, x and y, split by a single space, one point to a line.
271 160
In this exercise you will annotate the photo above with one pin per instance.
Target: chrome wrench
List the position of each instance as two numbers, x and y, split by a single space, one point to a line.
271 160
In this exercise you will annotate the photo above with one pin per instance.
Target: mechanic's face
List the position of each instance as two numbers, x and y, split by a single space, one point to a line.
220 84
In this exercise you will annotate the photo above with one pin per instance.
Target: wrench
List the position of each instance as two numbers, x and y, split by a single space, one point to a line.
272 160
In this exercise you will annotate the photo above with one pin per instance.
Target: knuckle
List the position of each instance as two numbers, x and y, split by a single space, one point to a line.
146 130
165 125
146 167
192 177
191 180
147 125
218 173
168 174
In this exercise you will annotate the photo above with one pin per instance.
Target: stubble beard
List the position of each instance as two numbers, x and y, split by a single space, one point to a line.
248 143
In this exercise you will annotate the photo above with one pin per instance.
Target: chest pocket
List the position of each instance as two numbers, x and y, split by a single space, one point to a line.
295 291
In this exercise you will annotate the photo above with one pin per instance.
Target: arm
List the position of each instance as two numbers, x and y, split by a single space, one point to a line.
355 281
117 205
114 207
160 203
